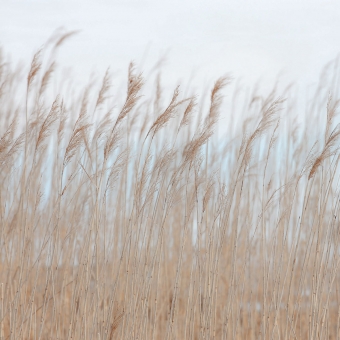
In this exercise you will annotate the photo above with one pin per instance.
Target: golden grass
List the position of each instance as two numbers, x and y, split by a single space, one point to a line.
129 219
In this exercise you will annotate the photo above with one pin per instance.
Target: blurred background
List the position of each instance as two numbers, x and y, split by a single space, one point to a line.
195 40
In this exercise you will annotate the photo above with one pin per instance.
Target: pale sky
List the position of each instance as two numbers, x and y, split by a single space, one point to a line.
250 39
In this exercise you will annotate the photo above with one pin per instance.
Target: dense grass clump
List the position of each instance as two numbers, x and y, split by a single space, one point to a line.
129 218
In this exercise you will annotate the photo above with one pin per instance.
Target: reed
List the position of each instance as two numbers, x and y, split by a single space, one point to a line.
130 218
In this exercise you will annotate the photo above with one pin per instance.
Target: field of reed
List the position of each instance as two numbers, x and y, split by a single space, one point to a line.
137 212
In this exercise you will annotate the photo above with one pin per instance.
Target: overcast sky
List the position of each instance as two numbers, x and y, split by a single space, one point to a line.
250 39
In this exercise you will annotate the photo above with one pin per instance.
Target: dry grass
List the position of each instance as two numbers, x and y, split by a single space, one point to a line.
127 218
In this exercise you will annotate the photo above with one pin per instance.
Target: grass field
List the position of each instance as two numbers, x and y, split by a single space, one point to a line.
127 217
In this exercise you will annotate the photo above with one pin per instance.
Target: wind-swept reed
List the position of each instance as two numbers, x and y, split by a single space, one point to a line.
131 218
